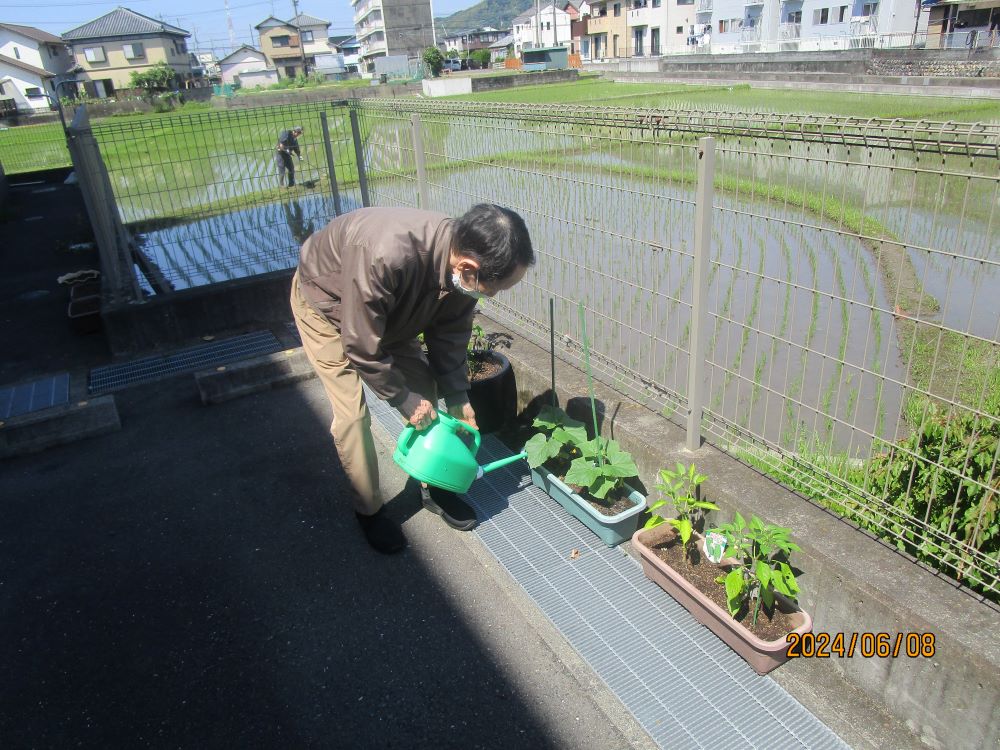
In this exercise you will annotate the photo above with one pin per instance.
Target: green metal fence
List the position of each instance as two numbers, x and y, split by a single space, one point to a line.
32 148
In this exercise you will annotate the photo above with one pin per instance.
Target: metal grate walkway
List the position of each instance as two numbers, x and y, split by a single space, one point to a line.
683 685
25 398
115 377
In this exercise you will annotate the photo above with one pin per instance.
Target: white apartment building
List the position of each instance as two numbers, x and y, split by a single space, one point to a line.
736 26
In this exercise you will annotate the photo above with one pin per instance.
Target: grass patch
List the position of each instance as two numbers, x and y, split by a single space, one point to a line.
602 92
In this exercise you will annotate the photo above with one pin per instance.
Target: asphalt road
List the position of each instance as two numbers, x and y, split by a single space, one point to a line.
197 580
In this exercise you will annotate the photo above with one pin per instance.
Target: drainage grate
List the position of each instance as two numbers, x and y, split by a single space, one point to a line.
116 377
38 394
683 685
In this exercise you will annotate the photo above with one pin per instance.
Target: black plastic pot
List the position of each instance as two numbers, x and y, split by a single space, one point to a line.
494 399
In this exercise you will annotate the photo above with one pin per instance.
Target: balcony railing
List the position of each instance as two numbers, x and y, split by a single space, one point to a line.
704 6
750 34
363 9
790 31
373 48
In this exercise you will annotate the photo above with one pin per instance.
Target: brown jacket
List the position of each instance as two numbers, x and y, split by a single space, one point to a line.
381 276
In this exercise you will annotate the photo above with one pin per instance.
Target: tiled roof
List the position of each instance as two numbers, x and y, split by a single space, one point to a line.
302 19
121 22
32 33
269 22
25 66
236 52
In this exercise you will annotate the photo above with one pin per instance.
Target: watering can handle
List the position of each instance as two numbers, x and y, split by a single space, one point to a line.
476 437
406 439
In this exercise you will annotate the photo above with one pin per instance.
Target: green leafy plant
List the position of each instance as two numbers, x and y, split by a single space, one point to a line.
434 60
678 487
480 345
157 77
601 467
944 473
761 551
557 440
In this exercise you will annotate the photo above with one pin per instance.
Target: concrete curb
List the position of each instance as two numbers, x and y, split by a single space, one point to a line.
852 584
253 376
58 425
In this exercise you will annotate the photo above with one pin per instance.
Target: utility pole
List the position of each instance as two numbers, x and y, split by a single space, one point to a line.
538 24
298 30
555 26
229 23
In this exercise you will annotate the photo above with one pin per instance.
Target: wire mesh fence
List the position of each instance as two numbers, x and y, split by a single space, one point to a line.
852 331
203 196
31 148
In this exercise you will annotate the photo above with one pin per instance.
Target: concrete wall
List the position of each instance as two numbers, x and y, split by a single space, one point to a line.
860 62
494 83
851 583
447 86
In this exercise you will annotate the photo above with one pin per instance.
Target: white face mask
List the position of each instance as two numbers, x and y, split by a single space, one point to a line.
456 281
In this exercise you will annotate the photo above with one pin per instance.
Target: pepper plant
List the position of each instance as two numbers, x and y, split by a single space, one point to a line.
678 487
761 550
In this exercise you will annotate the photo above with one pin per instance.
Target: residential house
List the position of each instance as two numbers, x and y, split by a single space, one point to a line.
579 14
656 27
607 29
291 47
350 48
282 48
965 26
23 87
32 63
451 40
501 49
550 27
245 60
110 48
392 27
472 39
210 64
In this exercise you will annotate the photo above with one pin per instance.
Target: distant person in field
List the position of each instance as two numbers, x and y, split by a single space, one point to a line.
288 144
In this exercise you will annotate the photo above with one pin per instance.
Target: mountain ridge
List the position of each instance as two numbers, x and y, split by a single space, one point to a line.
495 13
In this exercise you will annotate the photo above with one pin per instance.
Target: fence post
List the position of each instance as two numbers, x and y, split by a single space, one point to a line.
331 168
418 154
113 241
704 196
359 155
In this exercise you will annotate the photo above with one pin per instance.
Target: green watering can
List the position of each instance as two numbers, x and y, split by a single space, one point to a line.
437 455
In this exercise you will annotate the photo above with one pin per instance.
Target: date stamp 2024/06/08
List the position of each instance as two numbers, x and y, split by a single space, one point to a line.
867 645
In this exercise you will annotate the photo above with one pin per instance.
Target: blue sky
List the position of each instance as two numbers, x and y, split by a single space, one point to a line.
205 19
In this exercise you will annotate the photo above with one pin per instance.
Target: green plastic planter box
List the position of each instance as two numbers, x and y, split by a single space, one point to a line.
612 530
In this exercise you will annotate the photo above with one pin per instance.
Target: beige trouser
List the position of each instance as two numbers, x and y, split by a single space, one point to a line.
351 426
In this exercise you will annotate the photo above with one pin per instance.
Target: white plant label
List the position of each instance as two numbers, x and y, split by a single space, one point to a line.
715 545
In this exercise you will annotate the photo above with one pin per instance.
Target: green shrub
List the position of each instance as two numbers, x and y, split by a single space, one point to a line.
945 472
434 60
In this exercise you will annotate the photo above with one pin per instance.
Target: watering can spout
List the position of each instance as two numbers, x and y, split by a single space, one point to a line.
497 464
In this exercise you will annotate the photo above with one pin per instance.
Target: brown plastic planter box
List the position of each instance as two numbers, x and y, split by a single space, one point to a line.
763 656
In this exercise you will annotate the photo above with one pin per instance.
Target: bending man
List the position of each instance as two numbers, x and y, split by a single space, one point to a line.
367 285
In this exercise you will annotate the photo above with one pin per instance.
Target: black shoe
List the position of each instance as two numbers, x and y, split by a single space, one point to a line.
382 532
456 512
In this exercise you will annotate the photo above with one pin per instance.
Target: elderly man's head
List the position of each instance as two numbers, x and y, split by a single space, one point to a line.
297 130
491 250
